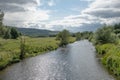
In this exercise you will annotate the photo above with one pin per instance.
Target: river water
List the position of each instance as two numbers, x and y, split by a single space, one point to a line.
75 62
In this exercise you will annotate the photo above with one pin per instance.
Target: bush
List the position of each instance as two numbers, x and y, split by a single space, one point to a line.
102 49
63 37
7 34
14 33
84 35
105 35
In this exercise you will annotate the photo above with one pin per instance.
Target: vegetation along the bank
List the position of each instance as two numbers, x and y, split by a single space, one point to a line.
15 47
12 50
107 40
64 37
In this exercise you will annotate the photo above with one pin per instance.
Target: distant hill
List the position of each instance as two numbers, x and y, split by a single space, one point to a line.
36 32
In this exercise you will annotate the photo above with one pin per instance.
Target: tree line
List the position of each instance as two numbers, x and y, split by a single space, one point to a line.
105 34
7 32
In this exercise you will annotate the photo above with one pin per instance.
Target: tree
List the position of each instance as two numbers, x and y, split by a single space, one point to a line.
22 48
1 17
84 35
105 35
63 37
7 34
14 33
2 32
78 36
117 28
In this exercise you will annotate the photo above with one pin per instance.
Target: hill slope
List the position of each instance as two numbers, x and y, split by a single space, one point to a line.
36 32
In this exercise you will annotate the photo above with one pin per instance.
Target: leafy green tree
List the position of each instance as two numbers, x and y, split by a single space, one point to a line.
78 36
7 34
1 17
58 36
5 31
2 32
22 48
84 35
117 28
14 33
105 35
63 37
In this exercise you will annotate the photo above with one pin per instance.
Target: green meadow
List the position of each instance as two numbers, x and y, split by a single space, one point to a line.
10 48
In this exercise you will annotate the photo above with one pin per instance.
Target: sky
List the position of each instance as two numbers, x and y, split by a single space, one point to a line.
73 15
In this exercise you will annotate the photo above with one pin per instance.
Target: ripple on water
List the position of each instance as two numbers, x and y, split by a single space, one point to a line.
75 62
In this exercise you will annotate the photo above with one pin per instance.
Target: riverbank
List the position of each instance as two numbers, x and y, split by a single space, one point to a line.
110 57
10 49
75 62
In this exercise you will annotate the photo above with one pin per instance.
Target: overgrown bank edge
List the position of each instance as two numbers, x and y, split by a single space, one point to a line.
110 57
107 43
10 49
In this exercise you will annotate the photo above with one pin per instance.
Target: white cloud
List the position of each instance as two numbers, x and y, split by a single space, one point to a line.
100 11
72 21
108 11
26 17
28 13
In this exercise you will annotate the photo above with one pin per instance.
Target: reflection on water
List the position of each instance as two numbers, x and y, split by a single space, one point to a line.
75 62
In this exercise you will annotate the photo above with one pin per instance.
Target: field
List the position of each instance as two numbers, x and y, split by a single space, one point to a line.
10 49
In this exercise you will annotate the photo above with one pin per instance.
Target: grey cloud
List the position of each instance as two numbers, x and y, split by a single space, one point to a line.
11 8
97 13
17 1
89 27
15 5
57 27
104 13
104 9
84 27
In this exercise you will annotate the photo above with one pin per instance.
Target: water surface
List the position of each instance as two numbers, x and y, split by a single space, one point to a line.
75 62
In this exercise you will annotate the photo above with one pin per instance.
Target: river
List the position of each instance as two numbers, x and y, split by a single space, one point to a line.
75 62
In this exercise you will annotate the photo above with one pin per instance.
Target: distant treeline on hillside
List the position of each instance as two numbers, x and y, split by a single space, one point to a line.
37 32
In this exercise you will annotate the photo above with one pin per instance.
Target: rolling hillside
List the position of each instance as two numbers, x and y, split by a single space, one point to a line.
36 32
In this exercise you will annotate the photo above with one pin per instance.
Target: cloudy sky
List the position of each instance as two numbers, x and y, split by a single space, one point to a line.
74 15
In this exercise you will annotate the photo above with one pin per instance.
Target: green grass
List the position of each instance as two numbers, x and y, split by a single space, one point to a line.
10 49
110 57
72 39
36 46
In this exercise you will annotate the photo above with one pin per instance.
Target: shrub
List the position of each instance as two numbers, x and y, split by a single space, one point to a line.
105 35
14 33
63 37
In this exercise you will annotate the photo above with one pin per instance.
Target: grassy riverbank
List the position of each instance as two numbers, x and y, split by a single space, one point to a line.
10 49
107 42
110 57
